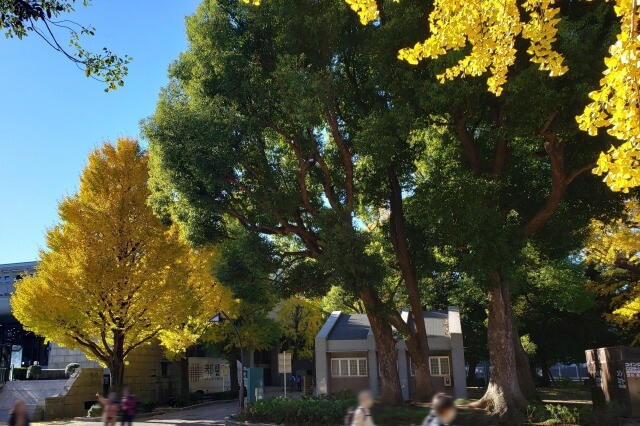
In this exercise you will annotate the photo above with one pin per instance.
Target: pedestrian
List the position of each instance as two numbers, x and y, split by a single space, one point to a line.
129 406
292 382
362 415
18 414
299 383
110 408
443 411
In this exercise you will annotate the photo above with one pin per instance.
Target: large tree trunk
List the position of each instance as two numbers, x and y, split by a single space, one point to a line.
389 384
116 364
419 346
503 397
422 372
525 376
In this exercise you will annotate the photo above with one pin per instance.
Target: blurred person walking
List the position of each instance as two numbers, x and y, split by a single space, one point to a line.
361 416
443 411
18 414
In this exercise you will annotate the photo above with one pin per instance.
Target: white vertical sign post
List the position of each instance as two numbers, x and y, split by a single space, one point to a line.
284 367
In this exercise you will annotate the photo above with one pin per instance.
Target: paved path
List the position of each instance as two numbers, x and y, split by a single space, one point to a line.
213 414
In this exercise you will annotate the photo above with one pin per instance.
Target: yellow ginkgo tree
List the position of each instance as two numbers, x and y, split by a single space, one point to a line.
612 251
114 277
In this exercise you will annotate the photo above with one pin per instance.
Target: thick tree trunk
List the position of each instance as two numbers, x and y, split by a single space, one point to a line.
389 382
422 372
503 397
116 364
419 347
184 378
472 379
525 377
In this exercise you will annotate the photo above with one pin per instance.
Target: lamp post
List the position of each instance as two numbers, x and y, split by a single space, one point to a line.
218 318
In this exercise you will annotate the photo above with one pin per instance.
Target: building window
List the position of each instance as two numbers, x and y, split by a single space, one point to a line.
7 279
439 365
349 367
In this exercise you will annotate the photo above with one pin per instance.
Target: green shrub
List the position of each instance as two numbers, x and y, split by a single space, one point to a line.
564 383
33 372
71 368
344 394
18 373
401 415
562 415
307 410
95 411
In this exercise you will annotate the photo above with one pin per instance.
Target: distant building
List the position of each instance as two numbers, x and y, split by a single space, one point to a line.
19 347
346 354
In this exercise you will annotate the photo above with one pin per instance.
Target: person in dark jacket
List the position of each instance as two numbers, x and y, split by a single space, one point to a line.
443 411
18 414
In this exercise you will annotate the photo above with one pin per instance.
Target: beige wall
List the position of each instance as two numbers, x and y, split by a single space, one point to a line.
142 374
143 371
80 389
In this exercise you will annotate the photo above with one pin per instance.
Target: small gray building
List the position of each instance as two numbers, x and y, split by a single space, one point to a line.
346 356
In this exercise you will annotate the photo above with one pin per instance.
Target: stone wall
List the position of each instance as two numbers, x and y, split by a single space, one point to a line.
79 391
143 371
59 357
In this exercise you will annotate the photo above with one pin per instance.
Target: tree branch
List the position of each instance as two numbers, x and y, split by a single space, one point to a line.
332 119
460 120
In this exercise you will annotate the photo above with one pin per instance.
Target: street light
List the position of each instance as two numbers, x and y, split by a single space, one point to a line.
218 318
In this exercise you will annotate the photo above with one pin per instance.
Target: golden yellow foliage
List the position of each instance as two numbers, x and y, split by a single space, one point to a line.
113 277
613 250
616 105
490 28
300 320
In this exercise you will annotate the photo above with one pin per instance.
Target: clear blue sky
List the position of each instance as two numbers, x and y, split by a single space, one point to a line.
51 116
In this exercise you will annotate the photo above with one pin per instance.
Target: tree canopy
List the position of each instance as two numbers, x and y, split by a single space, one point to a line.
113 277
612 254
46 19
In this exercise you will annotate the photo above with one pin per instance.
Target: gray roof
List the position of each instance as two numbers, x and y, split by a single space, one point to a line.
356 326
436 322
350 327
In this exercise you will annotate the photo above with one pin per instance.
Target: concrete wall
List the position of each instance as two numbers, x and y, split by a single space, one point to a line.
143 371
59 357
80 390
458 372
142 374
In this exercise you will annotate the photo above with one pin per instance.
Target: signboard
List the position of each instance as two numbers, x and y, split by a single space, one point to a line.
284 363
208 375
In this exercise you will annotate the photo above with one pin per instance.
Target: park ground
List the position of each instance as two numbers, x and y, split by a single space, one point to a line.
215 413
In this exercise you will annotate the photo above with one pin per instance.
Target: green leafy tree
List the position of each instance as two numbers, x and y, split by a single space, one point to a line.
45 18
291 133
498 173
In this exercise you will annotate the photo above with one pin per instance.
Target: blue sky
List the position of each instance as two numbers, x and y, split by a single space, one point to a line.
51 116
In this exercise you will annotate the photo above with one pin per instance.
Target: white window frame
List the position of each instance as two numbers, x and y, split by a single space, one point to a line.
358 360
439 373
